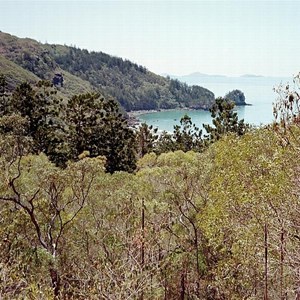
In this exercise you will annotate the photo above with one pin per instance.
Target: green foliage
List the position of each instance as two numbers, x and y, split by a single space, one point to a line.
41 108
4 98
220 223
186 224
286 111
188 136
146 138
225 120
236 96
133 86
96 125
63 131
45 201
185 137
14 74
250 189
3 84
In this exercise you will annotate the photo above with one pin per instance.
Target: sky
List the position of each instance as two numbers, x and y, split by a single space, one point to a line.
175 37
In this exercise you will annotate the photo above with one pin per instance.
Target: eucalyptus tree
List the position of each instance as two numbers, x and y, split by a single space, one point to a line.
286 111
45 199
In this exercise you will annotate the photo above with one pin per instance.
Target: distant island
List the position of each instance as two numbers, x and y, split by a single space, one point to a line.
251 75
237 97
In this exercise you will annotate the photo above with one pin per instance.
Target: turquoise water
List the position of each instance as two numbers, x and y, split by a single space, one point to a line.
258 92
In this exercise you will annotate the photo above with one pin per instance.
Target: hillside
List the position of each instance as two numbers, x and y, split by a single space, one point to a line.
15 74
132 85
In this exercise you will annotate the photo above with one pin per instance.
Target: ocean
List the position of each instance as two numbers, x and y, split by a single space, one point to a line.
258 91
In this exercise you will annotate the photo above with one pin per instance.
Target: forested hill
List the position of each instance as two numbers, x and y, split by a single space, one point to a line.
75 71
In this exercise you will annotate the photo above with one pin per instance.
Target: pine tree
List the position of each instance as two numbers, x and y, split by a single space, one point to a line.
224 120
96 125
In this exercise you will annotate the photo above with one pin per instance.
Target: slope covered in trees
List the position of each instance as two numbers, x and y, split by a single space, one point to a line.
237 97
186 225
15 74
88 123
218 224
134 87
63 130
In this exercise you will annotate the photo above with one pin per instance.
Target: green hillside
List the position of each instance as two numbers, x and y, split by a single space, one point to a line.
92 209
14 73
132 85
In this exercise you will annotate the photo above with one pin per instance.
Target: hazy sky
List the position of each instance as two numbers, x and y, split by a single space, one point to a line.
175 37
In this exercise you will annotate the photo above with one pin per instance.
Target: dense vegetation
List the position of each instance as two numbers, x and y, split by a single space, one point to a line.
237 97
93 209
133 86
219 222
65 129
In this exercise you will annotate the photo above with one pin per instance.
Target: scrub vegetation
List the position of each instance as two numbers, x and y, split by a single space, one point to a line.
219 221
91 208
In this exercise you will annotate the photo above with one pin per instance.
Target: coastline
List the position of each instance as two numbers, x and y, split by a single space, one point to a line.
133 116
136 113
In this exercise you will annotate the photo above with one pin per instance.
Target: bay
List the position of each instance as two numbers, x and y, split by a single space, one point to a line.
259 92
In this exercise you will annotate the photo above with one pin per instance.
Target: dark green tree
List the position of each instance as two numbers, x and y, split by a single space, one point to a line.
3 84
186 136
165 143
236 96
33 114
41 108
63 130
224 120
94 124
146 138
4 97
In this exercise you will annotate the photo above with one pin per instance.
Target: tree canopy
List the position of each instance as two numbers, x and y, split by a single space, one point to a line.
225 120
63 130
78 71
216 223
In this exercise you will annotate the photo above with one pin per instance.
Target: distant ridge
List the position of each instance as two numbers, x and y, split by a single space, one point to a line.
75 70
251 75
204 75
194 74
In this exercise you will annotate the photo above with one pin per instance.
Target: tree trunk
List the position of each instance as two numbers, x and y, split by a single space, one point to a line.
182 286
281 263
55 280
266 263
143 243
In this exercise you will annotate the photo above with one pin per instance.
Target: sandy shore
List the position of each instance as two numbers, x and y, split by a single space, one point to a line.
136 113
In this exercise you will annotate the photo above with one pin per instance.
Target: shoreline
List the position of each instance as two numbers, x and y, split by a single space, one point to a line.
133 116
136 113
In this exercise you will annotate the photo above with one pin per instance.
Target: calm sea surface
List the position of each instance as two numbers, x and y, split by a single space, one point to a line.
258 92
